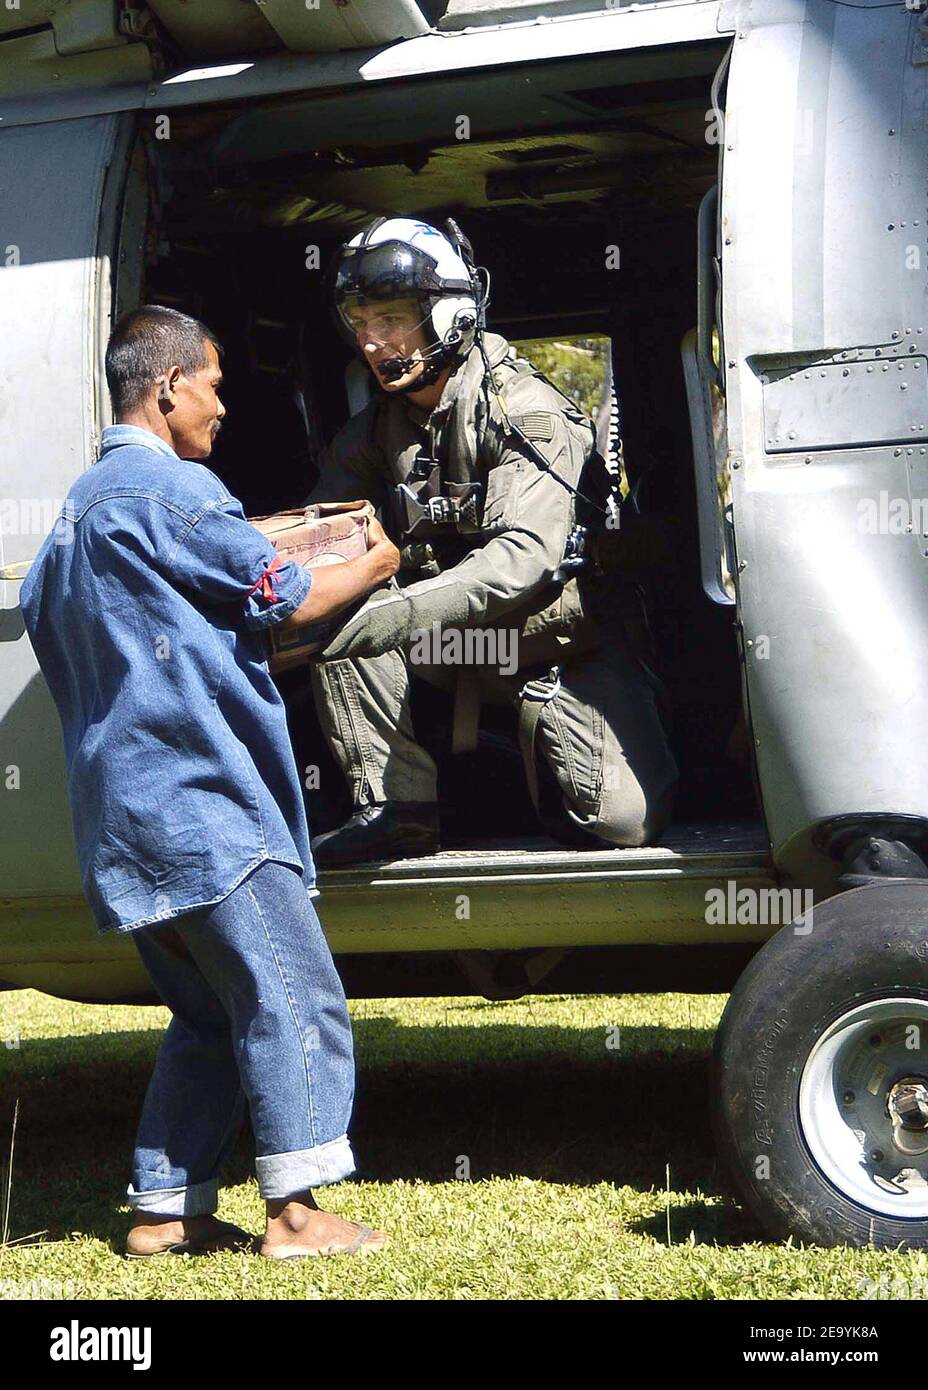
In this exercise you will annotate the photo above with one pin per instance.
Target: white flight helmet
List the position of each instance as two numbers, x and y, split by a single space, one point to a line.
404 258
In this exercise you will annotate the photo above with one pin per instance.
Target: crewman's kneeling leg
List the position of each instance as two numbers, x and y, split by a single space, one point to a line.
602 737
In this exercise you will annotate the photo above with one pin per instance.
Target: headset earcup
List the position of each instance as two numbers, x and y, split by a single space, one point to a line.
446 321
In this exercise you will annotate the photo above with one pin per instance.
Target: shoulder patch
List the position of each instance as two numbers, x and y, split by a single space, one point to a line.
536 424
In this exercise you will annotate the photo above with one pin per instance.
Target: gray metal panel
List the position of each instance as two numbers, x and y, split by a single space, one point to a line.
217 27
52 181
824 154
228 26
360 24
210 27
814 122
839 404
80 26
34 71
461 14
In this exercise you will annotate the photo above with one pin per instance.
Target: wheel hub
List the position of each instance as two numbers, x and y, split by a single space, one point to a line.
907 1107
863 1109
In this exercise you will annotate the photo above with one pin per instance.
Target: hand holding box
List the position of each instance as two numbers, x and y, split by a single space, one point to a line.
324 533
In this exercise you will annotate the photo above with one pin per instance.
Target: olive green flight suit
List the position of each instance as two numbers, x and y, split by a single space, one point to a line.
585 703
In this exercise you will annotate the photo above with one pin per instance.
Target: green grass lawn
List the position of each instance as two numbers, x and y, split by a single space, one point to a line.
568 1139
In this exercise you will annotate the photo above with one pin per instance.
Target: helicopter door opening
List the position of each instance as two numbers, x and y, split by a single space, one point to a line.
582 199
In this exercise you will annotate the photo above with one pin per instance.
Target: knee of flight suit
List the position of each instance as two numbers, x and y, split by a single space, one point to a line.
622 806
633 816
627 826
615 771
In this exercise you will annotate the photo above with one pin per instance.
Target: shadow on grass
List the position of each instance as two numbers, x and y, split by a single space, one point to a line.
712 1223
490 1102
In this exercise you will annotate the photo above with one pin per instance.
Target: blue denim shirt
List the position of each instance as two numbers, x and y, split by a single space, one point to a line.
142 609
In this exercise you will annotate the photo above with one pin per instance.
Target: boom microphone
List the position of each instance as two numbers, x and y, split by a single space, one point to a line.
395 367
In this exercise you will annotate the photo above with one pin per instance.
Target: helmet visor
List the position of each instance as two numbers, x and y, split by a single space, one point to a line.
386 321
390 271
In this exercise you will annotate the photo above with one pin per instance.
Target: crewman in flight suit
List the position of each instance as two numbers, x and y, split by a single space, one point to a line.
477 464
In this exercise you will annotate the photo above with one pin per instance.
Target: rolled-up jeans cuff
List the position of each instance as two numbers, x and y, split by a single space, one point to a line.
199 1199
284 1175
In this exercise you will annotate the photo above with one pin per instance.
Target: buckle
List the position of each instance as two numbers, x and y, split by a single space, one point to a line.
423 466
441 510
543 688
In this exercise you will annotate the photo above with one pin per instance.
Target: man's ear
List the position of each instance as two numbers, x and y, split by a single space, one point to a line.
167 385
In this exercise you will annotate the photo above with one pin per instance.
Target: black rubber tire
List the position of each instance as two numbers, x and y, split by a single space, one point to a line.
866 944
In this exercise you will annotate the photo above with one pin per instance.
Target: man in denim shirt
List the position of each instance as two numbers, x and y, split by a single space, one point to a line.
146 608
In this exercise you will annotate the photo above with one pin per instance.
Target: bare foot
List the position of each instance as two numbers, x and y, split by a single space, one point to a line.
296 1227
150 1234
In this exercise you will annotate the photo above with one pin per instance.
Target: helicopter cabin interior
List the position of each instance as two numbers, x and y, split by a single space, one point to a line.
579 183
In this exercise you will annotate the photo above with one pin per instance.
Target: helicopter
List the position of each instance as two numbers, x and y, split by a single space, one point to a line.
730 194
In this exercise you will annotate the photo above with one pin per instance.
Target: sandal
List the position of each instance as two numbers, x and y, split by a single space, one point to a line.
361 1240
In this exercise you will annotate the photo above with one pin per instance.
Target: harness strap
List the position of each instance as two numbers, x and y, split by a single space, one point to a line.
534 695
466 719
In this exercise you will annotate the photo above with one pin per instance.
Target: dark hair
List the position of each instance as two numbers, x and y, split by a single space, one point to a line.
149 341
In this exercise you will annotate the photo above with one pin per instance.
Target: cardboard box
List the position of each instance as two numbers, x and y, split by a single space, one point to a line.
325 533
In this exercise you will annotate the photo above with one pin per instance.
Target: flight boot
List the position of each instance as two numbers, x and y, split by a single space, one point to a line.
385 830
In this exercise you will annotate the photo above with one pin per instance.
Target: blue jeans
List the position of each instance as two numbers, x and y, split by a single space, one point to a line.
259 1015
